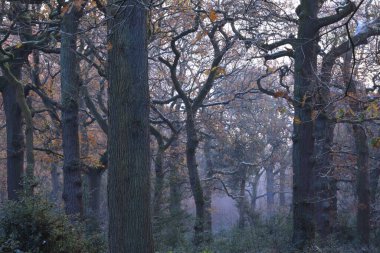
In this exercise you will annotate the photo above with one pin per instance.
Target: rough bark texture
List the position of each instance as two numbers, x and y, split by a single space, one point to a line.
362 187
94 175
70 84
15 136
130 228
55 184
325 184
303 141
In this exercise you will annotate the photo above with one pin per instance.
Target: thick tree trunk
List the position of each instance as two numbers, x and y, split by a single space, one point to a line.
362 187
303 140
70 84
325 183
94 175
15 136
356 103
374 177
130 228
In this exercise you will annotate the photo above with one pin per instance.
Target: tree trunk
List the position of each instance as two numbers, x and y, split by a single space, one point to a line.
175 235
130 228
270 191
55 185
282 198
159 184
362 187
303 140
325 183
242 201
15 136
94 175
70 83
208 189
195 182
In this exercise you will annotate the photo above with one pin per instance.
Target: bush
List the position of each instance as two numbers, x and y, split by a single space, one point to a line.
34 225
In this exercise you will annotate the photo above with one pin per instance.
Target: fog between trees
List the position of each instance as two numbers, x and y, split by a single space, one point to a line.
189 126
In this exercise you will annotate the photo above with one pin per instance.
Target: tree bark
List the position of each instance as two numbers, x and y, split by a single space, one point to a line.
325 184
55 184
175 235
15 136
70 84
130 228
94 175
362 187
303 141
195 182
159 182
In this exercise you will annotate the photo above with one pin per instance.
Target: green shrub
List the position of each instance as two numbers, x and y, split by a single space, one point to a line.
34 225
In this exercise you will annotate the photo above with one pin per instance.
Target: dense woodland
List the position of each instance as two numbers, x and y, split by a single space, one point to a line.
181 126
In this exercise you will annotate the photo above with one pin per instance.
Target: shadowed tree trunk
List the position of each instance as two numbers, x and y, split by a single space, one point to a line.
175 235
15 136
305 85
94 175
356 102
325 184
159 171
303 141
362 187
130 228
70 84
55 185
195 182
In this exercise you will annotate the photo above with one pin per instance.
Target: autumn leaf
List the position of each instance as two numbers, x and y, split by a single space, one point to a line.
109 46
213 15
78 4
297 120
375 142
64 9
18 45
280 94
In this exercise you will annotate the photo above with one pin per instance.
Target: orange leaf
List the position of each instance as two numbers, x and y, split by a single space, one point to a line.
280 94
213 15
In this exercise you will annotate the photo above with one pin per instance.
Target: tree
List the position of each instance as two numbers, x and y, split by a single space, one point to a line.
70 83
128 137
